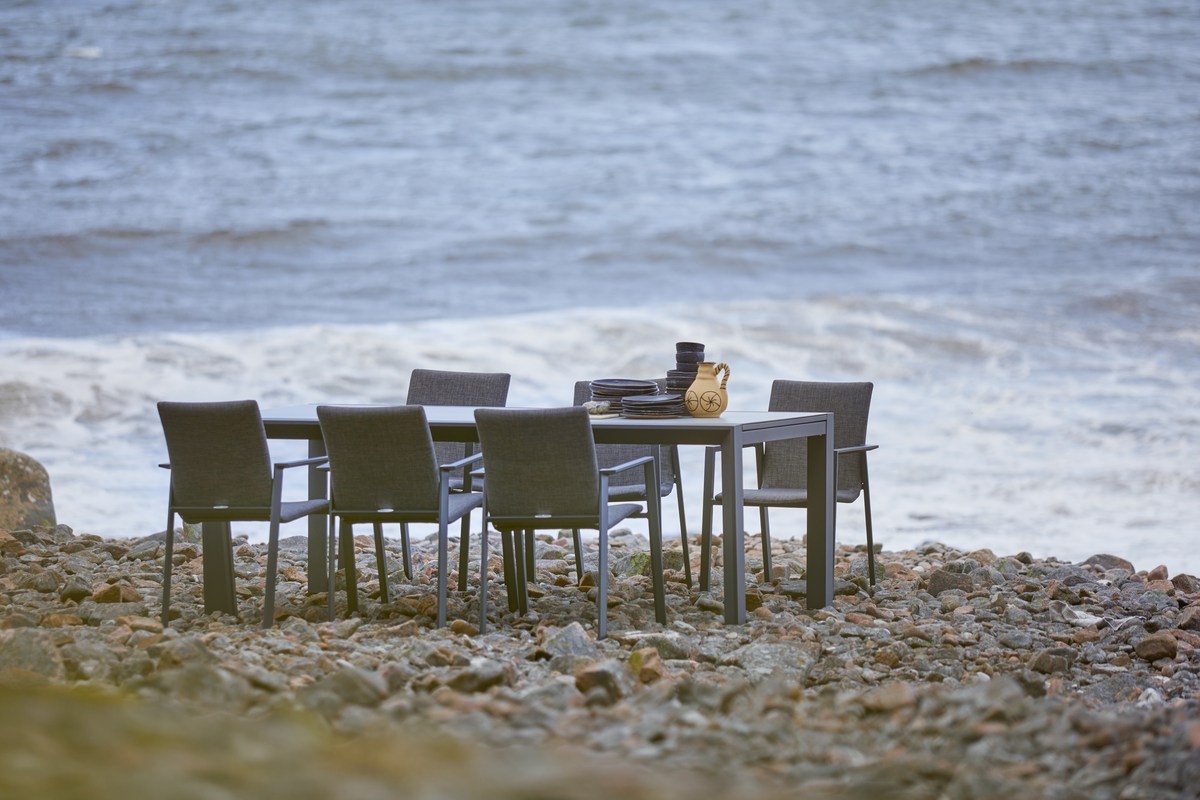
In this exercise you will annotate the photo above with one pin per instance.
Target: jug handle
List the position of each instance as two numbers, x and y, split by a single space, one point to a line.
718 368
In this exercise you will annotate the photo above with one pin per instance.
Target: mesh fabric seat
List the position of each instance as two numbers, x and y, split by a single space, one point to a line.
630 485
383 470
783 466
221 472
435 387
542 474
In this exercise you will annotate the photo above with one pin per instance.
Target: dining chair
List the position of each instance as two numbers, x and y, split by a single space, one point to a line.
221 472
542 473
435 387
383 469
782 466
631 486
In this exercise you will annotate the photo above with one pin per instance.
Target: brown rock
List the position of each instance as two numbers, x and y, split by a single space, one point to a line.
1156 646
647 665
481 675
942 581
1186 583
25 649
10 545
1106 561
61 621
1159 573
889 697
754 599
610 676
1189 619
888 656
1053 660
25 499
894 569
116 593
463 628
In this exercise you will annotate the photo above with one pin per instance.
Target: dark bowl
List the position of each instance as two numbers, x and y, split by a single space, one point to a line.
689 347
689 358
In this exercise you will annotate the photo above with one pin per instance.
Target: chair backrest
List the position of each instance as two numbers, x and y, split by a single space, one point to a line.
436 387
218 454
380 457
786 462
539 461
609 455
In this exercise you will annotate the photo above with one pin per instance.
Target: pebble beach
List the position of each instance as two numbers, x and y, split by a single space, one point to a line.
958 675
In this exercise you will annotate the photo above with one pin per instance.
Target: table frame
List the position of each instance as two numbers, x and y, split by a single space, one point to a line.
732 432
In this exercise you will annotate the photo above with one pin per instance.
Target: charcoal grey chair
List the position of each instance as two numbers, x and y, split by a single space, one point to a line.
382 469
782 466
630 485
434 387
221 472
542 474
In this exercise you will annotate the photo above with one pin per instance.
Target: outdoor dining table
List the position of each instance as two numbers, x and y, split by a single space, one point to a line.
732 431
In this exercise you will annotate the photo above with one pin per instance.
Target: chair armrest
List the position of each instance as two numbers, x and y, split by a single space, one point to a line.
304 462
164 466
862 448
462 462
477 473
637 462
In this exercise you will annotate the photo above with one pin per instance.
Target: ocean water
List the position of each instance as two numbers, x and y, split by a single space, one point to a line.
991 210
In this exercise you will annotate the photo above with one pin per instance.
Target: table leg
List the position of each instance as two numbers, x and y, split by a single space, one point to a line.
318 577
821 492
733 539
219 594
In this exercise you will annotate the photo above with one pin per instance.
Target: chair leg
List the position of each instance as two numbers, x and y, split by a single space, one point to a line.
530 572
602 582
483 577
381 562
443 578
706 518
578 540
346 543
683 537
272 565
519 576
866 483
169 554
406 551
766 541
331 557
464 552
654 511
510 571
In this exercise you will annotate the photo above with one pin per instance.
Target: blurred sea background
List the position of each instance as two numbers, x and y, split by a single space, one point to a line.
990 209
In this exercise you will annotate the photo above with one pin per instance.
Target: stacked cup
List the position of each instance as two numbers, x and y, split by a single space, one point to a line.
688 356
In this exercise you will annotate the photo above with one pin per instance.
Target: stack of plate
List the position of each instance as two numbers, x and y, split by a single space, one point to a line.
652 406
615 391
688 356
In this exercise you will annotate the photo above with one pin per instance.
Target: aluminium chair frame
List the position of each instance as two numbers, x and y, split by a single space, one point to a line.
225 515
477 379
518 552
710 454
343 545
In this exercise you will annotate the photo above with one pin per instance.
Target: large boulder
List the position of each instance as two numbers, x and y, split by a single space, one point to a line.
24 493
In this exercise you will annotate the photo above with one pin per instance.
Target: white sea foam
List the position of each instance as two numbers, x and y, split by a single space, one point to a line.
1056 438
